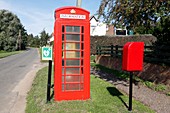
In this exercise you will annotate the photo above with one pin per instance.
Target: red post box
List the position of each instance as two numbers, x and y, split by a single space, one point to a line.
133 56
71 54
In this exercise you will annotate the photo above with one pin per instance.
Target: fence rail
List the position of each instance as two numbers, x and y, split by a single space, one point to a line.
150 55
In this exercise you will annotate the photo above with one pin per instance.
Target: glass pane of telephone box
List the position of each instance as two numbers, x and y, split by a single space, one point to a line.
82 29
72 78
62 54
63 71
72 62
72 87
63 46
73 29
63 29
82 37
72 54
62 87
72 46
62 37
81 86
72 70
72 37
62 79
82 79
82 46
82 54
62 62
82 70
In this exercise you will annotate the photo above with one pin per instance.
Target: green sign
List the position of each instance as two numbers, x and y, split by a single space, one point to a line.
46 53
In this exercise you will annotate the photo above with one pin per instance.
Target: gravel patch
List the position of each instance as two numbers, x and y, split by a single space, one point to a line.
155 100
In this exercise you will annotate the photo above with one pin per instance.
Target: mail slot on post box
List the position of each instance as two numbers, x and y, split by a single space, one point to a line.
133 56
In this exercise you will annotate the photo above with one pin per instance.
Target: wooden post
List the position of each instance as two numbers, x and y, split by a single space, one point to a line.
97 50
111 50
116 51
100 50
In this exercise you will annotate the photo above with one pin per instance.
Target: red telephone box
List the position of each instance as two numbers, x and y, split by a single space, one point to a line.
71 54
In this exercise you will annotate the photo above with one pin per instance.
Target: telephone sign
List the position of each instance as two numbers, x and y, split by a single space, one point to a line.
71 16
71 54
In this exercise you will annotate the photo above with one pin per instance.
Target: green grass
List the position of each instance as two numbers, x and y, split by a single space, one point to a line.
105 98
168 93
92 58
156 87
160 87
5 54
149 84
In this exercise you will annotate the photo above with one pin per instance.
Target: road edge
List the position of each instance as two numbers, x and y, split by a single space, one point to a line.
24 86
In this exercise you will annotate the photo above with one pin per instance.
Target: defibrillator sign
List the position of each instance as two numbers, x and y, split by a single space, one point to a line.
46 53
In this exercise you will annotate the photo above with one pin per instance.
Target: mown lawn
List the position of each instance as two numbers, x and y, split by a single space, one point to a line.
105 98
5 54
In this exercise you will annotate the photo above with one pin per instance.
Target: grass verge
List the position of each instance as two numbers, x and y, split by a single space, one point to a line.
105 98
5 54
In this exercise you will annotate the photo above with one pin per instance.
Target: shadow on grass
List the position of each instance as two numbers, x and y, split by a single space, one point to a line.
114 92
52 95
116 73
112 75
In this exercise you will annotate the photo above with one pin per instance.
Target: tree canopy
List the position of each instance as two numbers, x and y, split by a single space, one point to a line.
134 14
44 38
33 41
143 17
13 36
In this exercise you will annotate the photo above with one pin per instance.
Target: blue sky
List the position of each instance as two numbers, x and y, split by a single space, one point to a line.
37 15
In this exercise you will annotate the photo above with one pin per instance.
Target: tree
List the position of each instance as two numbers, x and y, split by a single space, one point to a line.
138 15
30 39
33 41
143 17
10 28
162 32
44 38
36 42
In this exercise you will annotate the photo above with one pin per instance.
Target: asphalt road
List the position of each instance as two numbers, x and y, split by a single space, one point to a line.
12 70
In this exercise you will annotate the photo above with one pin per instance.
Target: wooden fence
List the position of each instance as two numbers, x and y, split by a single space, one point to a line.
150 55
